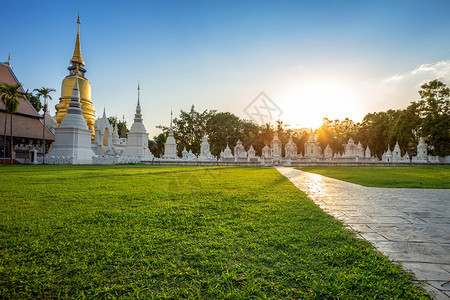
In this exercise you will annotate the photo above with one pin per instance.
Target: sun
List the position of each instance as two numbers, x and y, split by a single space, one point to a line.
308 103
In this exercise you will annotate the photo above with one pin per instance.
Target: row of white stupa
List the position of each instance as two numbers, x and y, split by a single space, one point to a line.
73 139
313 153
73 146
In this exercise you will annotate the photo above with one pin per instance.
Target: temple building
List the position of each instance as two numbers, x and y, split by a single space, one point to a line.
27 124
107 141
76 69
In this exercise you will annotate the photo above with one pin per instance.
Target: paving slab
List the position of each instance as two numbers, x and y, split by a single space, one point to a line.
410 226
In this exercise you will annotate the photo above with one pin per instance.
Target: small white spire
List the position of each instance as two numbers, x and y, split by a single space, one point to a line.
171 127
75 91
139 92
74 104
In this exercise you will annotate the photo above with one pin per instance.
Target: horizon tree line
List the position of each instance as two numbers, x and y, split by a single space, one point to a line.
427 117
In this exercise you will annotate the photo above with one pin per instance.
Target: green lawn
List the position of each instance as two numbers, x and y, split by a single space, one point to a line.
179 232
430 177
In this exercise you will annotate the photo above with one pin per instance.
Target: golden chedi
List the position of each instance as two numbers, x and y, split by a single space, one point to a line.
77 68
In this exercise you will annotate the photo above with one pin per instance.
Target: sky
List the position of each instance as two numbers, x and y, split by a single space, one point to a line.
310 59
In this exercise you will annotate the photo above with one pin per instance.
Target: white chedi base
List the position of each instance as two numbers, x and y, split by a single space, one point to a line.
73 140
170 148
137 145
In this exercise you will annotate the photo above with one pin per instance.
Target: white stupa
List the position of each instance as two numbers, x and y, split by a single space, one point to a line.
137 136
205 153
72 137
275 146
170 147
290 149
227 153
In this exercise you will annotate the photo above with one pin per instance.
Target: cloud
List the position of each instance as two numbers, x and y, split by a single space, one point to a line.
399 90
425 72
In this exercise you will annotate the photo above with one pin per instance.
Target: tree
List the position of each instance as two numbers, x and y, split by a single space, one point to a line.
10 95
407 127
157 145
434 111
34 100
44 93
378 130
224 128
121 125
336 133
190 127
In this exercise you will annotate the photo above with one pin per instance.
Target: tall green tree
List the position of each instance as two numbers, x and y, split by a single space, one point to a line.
336 133
10 95
435 114
190 127
378 130
45 94
225 128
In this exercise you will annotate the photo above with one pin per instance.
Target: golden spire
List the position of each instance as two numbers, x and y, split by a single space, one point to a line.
77 51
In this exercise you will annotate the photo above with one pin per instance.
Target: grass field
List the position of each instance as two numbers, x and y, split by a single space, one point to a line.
431 177
179 232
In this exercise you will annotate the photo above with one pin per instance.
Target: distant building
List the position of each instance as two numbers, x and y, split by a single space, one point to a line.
27 124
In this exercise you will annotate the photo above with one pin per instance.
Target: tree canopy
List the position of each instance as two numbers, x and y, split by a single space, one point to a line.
121 125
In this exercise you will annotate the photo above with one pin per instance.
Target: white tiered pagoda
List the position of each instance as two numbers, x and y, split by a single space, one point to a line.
72 137
205 152
170 147
137 145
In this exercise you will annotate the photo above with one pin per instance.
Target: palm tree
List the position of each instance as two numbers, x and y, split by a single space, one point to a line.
44 93
10 95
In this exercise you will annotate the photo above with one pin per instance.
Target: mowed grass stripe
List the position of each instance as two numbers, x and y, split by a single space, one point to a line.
178 232
432 177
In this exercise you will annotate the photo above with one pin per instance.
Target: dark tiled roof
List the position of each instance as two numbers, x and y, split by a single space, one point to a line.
25 107
24 127
26 122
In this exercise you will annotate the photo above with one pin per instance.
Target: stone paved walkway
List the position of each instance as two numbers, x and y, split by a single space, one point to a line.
411 226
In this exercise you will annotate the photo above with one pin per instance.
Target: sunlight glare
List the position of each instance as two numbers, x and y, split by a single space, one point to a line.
307 104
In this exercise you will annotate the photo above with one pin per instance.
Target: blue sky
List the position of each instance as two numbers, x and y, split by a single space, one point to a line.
314 59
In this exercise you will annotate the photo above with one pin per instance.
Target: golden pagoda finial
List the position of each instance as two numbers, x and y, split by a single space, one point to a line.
9 59
76 59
